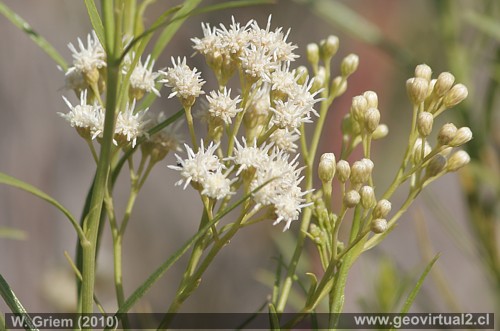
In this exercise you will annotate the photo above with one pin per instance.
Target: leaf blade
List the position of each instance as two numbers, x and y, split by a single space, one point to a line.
95 20
14 304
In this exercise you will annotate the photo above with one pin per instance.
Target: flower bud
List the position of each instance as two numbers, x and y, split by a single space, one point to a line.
423 71
313 53
446 134
454 96
349 65
339 86
372 119
352 198
343 170
301 74
424 123
326 168
417 150
371 98
367 197
382 209
444 83
358 107
329 47
417 89
462 136
319 80
379 225
380 132
360 172
457 160
435 166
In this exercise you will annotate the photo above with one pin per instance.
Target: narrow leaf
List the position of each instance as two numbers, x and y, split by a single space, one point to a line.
14 182
95 20
14 304
39 40
10 233
413 294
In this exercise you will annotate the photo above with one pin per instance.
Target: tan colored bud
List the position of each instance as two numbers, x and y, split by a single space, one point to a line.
358 107
360 172
417 89
446 151
423 71
367 197
349 65
371 98
457 160
417 150
352 198
343 170
382 209
327 167
313 53
435 166
339 86
454 96
462 136
424 123
372 119
319 80
446 134
329 47
379 225
301 74
444 83
380 132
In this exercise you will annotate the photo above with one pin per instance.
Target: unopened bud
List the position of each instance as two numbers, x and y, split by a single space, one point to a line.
358 107
360 172
454 96
329 47
424 123
417 89
371 98
367 197
444 83
435 166
349 65
423 71
462 136
380 132
319 80
379 225
352 198
417 150
382 209
301 74
327 167
446 134
457 160
313 53
343 170
372 119
339 86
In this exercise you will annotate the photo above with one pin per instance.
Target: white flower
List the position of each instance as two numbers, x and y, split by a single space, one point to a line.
290 115
220 105
284 81
130 125
143 78
74 80
247 157
274 42
257 63
305 99
284 140
88 118
89 58
198 166
185 83
234 39
216 185
283 192
210 43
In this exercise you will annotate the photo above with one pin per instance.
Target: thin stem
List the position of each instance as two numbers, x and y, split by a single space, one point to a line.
189 120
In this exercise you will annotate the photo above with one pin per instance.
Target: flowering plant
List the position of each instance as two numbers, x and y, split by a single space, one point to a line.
258 158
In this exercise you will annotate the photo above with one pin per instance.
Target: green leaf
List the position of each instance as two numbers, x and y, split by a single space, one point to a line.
485 24
413 294
11 233
14 182
14 304
39 40
95 20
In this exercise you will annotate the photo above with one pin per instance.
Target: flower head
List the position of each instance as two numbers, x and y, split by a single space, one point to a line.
220 105
247 157
217 185
130 125
89 59
143 79
185 82
87 119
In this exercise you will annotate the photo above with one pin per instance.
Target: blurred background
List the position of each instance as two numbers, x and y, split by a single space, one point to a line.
458 216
